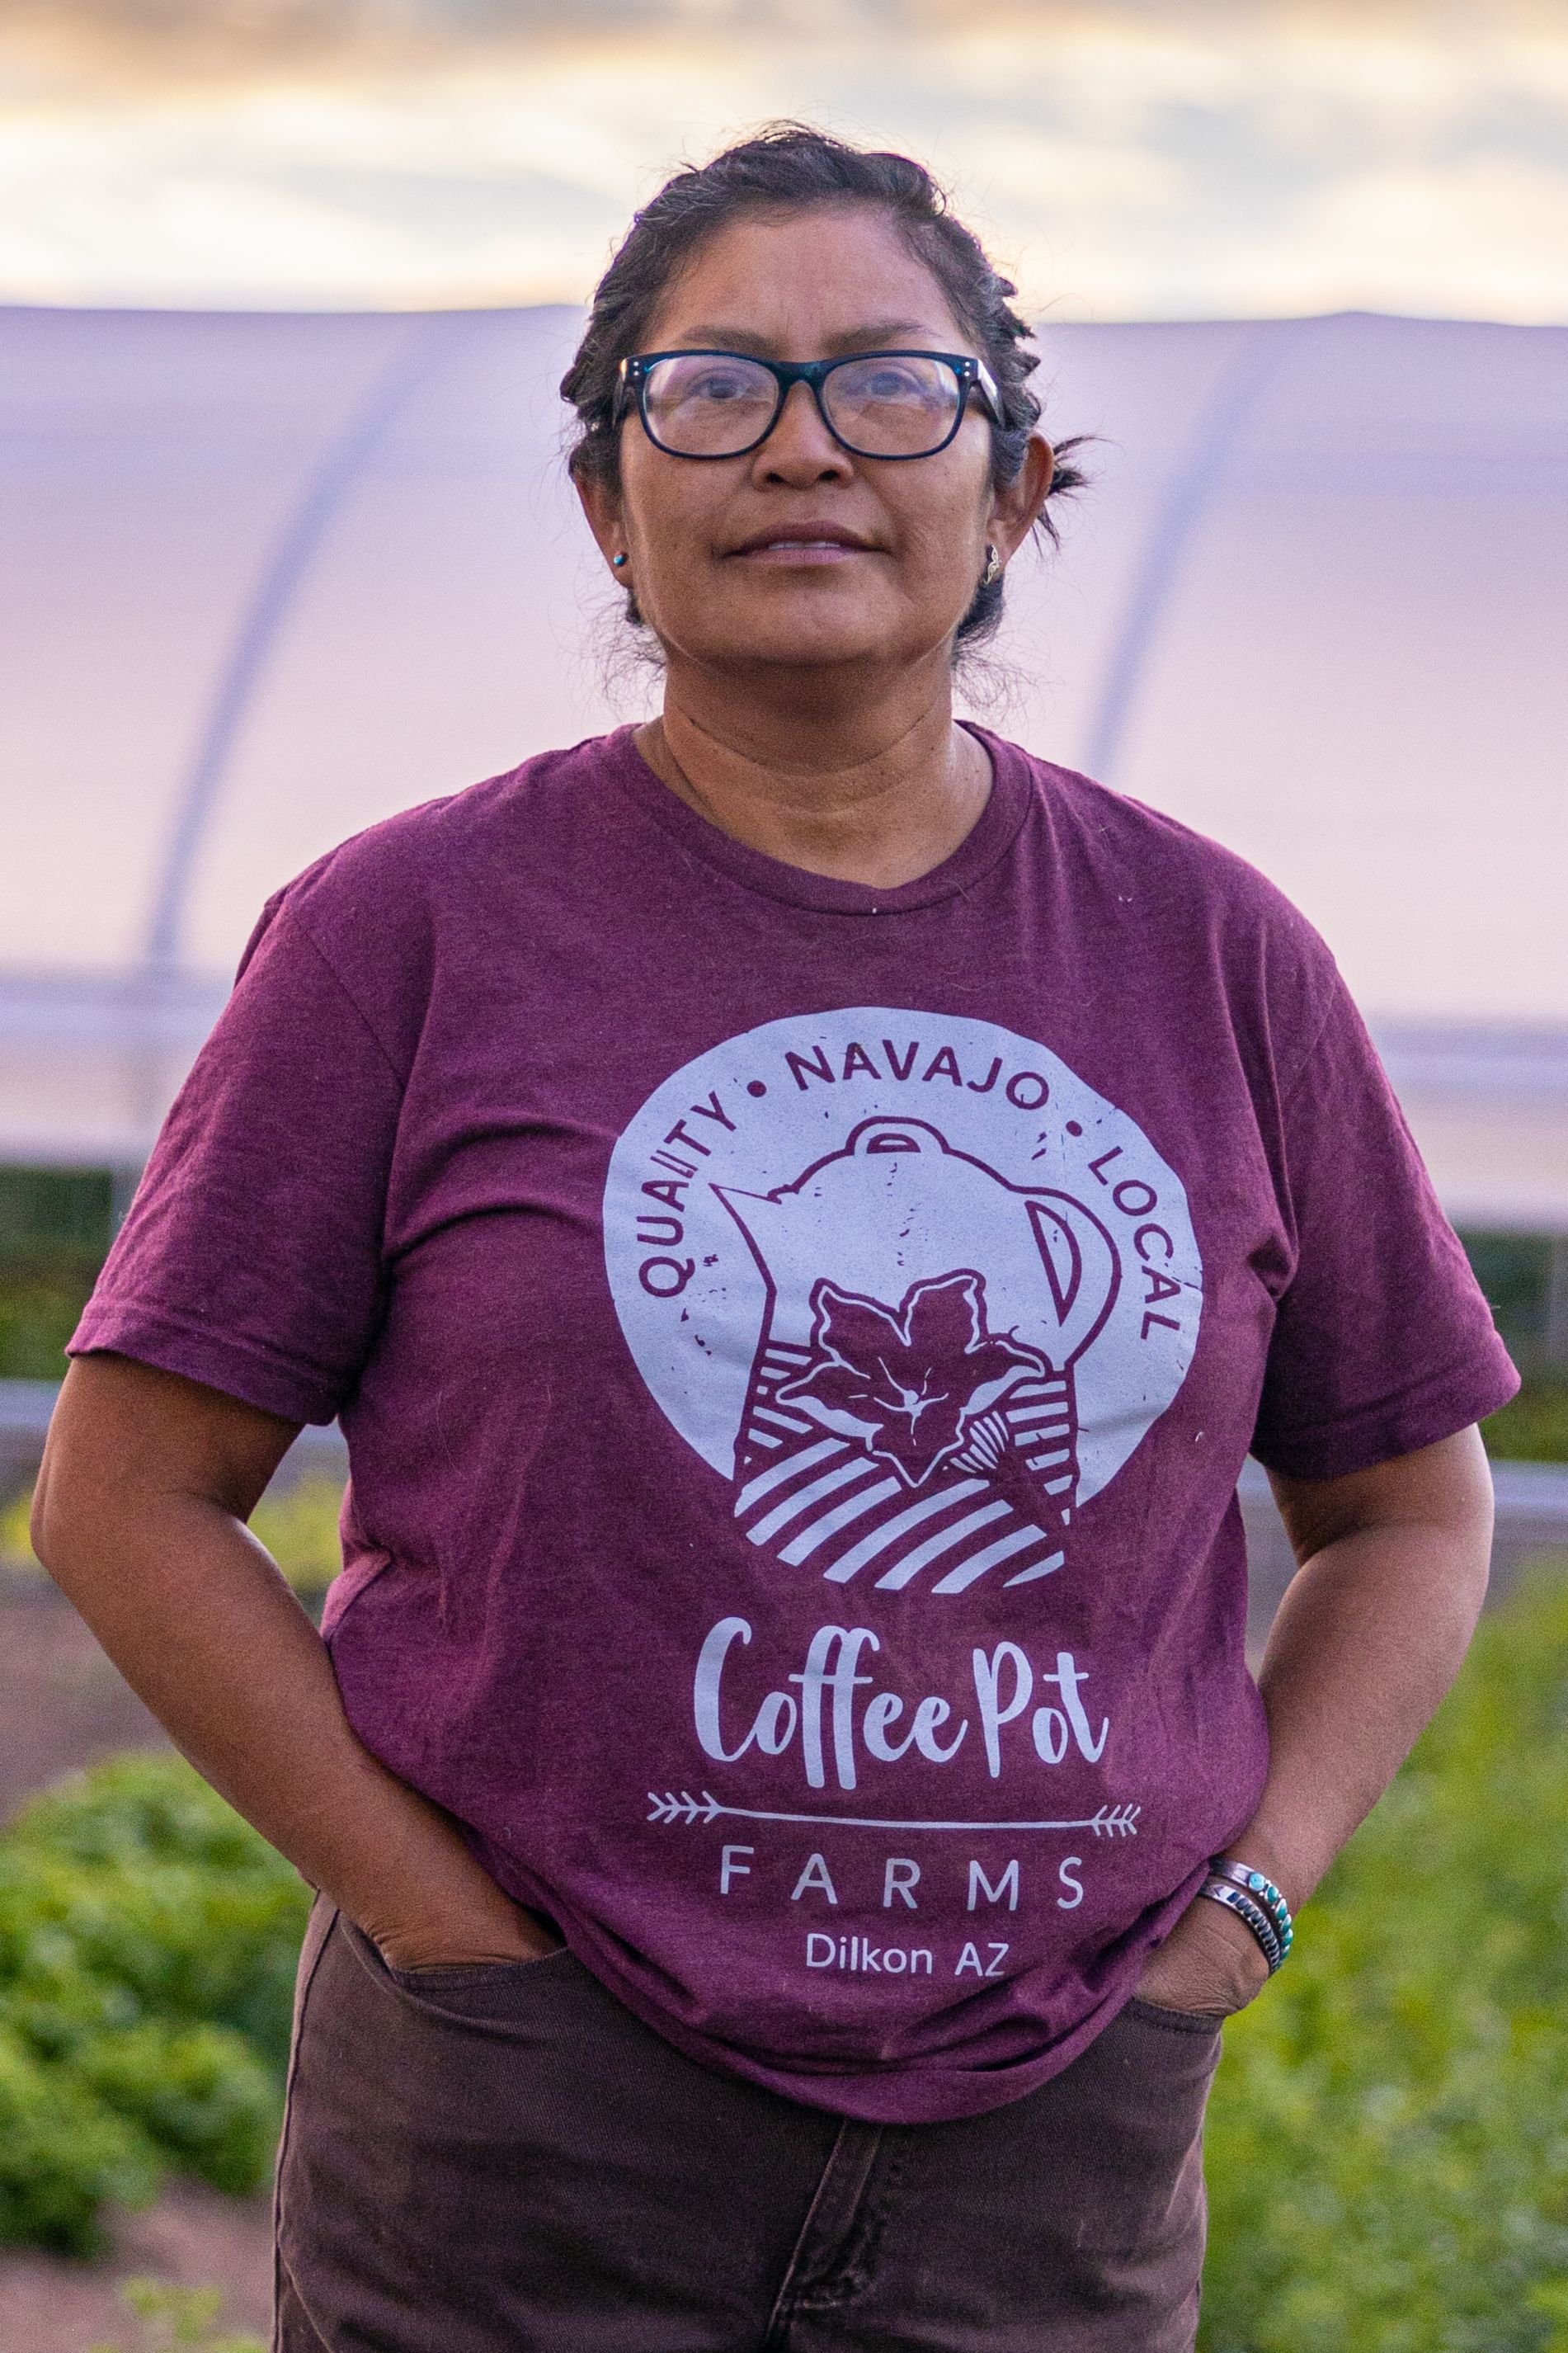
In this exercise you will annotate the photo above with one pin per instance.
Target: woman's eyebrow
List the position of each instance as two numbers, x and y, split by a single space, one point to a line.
879 336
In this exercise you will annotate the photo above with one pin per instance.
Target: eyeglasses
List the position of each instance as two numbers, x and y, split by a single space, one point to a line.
875 404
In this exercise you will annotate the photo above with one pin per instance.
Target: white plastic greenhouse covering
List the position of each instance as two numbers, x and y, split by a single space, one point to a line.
268 578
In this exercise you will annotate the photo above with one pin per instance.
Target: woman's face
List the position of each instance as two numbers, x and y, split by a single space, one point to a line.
720 552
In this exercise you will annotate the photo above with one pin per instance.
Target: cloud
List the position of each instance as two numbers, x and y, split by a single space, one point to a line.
256 33
147 40
1155 158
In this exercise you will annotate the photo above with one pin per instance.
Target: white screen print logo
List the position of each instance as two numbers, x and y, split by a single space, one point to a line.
905 1283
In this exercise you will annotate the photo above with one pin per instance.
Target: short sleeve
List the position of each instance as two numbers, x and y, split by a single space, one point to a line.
1383 1341
252 1257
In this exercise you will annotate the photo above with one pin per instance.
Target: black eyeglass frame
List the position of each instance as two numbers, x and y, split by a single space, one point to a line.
974 378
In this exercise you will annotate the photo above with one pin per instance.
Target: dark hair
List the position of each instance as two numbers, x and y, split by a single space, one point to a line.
785 168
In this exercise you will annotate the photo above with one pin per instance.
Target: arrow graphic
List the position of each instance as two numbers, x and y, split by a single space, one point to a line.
1110 1821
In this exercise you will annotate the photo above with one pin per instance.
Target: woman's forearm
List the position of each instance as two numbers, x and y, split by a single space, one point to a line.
194 1612
203 1628
1366 1641
1368 1638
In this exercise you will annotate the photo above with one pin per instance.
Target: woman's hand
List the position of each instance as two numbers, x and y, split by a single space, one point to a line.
493 1928
1210 1964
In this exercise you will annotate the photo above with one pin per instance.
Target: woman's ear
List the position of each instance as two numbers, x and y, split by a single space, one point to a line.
1017 506
602 507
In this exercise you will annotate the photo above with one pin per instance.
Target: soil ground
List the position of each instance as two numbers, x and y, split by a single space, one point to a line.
192 2238
62 1705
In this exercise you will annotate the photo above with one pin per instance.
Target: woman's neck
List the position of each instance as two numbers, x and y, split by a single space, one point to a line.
873 793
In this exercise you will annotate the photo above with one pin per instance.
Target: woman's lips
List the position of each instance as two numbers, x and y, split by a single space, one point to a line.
788 550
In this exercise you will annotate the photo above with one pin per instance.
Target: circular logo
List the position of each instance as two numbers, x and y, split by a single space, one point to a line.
907 1284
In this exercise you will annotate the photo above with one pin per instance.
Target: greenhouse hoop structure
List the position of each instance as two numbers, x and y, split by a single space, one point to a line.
272 577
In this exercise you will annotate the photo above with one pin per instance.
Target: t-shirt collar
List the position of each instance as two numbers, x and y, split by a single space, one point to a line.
991 835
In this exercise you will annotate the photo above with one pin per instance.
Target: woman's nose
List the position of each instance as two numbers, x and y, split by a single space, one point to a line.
800 448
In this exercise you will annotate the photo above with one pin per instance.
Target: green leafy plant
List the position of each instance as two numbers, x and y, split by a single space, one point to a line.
138 1880
1388 2139
62 2154
177 2316
148 1938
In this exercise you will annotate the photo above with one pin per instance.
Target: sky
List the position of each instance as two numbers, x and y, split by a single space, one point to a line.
1194 158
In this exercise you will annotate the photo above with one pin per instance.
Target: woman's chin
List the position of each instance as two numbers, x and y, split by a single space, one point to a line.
802 631
823 652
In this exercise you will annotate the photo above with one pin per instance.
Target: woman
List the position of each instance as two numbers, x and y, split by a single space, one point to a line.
801 1209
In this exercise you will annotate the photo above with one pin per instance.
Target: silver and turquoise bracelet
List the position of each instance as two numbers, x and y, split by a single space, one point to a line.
1254 1898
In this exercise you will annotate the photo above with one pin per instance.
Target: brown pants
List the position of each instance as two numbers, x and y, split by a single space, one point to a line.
502 2159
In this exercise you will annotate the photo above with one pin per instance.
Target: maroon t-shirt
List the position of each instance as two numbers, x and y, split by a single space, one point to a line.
796 1344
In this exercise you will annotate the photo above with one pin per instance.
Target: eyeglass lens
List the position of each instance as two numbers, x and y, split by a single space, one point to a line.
709 406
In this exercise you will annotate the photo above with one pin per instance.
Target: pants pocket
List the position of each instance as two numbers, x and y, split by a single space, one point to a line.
1180 2021
476 1989
413 2137
504 2160
1150 2089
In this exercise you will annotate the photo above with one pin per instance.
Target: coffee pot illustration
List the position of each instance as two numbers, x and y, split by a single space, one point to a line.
915 1364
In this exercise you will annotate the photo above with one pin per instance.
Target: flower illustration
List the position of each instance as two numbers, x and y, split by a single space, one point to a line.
910 1374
